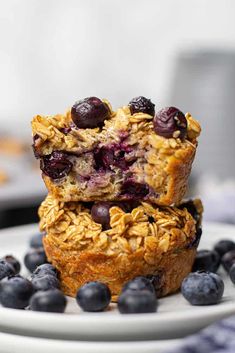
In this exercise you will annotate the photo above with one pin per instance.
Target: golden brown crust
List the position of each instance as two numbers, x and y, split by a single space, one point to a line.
148 241
163 164
78 268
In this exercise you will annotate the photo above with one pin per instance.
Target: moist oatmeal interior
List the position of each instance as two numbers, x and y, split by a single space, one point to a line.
125 159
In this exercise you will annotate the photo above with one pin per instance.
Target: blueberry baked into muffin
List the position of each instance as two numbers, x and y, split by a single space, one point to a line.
92 153
113 242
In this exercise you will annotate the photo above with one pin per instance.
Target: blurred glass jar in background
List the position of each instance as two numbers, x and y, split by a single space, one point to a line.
204 84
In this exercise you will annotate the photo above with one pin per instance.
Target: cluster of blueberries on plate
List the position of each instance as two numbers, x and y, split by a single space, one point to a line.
203 286
40 292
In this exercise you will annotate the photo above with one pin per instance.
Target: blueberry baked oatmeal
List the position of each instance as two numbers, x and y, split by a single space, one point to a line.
114 242
92 153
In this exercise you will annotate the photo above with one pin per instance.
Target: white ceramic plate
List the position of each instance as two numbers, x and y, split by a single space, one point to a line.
21 344
175 317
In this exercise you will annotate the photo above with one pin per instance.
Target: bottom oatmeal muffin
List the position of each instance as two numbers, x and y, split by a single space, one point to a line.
115 242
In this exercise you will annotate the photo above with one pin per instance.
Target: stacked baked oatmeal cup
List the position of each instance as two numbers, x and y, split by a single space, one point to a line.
116 180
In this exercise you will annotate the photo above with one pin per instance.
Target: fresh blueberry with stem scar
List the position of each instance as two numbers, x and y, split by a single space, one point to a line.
6 269
35 258
142 105
36 240
13 262
93 296
137 302
52 301
45 282
228 259
56 165
100 213
139 283
202 288
15 292
224 246
206 260
170 122
90 113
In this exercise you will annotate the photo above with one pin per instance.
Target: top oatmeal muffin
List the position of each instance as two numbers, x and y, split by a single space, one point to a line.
92 153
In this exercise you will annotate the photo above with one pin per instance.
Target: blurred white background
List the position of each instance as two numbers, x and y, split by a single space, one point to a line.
53 52
176 52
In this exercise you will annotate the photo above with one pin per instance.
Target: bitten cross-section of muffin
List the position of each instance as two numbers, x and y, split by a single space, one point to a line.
136 239
92 153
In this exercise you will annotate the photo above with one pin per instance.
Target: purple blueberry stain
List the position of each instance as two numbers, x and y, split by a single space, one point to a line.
36 137
133 190
123 135
113 155
56 165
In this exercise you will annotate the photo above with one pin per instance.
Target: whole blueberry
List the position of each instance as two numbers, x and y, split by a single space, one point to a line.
45 269
139 283
15 292
206 260
13 262
56 165
142 105
93 296
224 246
35 258
168 121
100 213
52 300
202 288
228 259
45 282
90 112
36 240
6 269
137 301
